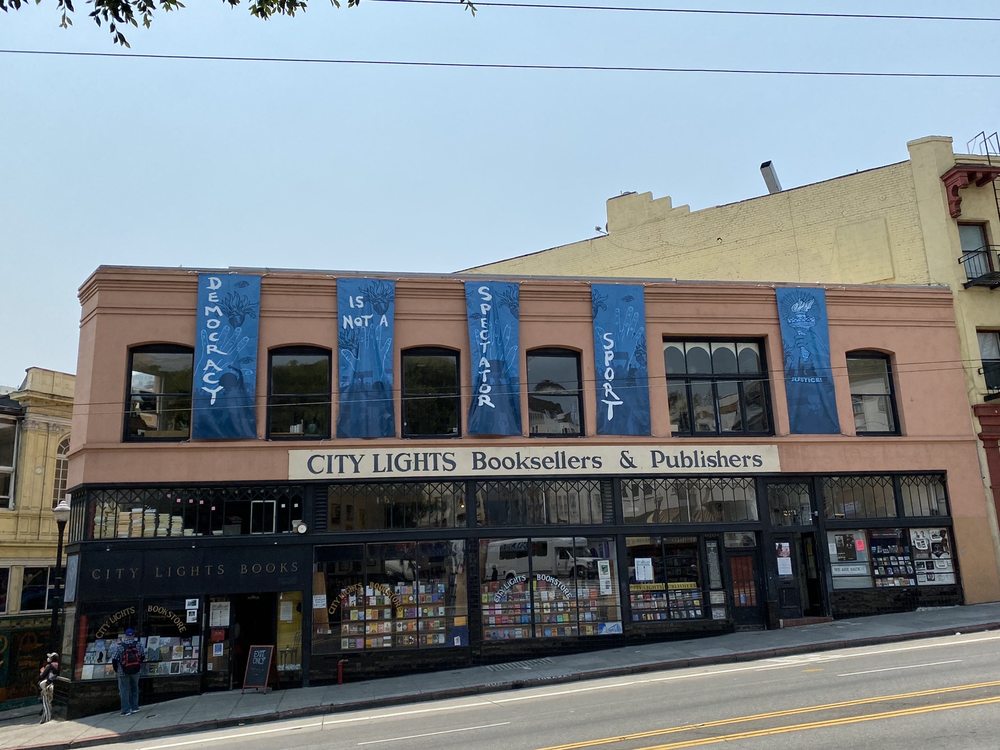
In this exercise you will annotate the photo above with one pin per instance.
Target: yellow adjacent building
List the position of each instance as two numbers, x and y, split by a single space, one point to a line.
34 450
932 219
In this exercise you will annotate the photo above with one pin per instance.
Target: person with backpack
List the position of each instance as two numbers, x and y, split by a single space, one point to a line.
127 659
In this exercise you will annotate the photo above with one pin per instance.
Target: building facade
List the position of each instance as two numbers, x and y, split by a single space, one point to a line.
932 219
376 474
34 453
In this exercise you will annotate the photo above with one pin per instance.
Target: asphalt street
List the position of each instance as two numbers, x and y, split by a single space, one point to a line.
938 693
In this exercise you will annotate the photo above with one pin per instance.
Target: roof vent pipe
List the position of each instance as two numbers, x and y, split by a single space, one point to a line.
770 177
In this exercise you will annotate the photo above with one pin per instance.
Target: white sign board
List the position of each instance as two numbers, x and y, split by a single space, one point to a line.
533 460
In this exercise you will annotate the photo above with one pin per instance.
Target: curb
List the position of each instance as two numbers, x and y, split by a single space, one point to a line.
528 682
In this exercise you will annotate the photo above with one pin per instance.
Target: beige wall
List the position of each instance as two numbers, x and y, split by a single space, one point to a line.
139 306
28 529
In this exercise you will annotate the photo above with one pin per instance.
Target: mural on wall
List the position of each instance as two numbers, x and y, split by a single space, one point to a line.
805 337
366 311
492 309
619 316
225 356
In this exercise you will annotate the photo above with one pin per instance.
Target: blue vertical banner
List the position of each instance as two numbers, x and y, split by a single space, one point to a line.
805 337
225 357
492 309
366 316
619 314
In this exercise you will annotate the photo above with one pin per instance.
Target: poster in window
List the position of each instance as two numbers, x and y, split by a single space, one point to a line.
932 556
604 577
783 551
643 569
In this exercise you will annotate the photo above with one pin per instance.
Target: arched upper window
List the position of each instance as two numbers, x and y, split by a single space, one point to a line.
298 393
555 398
431 393
873 397
62 470
159 394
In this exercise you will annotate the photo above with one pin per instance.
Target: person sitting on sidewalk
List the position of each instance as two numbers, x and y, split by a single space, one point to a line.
127 659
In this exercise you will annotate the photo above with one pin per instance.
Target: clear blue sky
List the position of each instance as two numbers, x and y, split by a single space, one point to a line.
170 163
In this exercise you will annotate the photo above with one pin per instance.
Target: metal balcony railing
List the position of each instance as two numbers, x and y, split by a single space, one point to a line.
982 266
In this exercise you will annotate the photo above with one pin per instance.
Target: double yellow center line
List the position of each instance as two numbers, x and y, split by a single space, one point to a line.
794 712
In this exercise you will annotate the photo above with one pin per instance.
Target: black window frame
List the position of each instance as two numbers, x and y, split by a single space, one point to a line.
325 398
563 353
886 359
45 589
688 379
9 472
456 398
976 261
989 368
162 348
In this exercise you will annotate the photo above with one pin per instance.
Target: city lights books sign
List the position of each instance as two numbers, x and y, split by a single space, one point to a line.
391 463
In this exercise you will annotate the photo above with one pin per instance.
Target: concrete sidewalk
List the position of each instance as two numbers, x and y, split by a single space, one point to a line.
219 710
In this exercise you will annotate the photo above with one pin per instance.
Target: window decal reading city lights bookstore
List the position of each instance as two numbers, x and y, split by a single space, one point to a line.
548 587
382 596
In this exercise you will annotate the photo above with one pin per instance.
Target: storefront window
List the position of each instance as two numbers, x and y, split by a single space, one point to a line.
933 556
719 500
384 596
97 630
548 587
849 560
170 633
288 652
175 512
399 505
859 497
535 503
924 496
892 563
665 578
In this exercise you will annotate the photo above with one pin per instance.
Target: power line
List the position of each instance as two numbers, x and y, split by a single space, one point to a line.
900 368
706 11
506 66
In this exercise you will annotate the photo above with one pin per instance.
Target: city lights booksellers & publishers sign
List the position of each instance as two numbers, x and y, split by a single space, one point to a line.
395 463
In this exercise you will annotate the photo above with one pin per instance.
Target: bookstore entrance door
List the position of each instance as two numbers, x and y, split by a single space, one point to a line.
254 622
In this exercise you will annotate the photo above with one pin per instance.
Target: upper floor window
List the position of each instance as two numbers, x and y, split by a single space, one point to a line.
872 396
298 398
4 583
975 250
431 396
160 377
8 454
62 469
717 388
989 350
555 399
35 589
